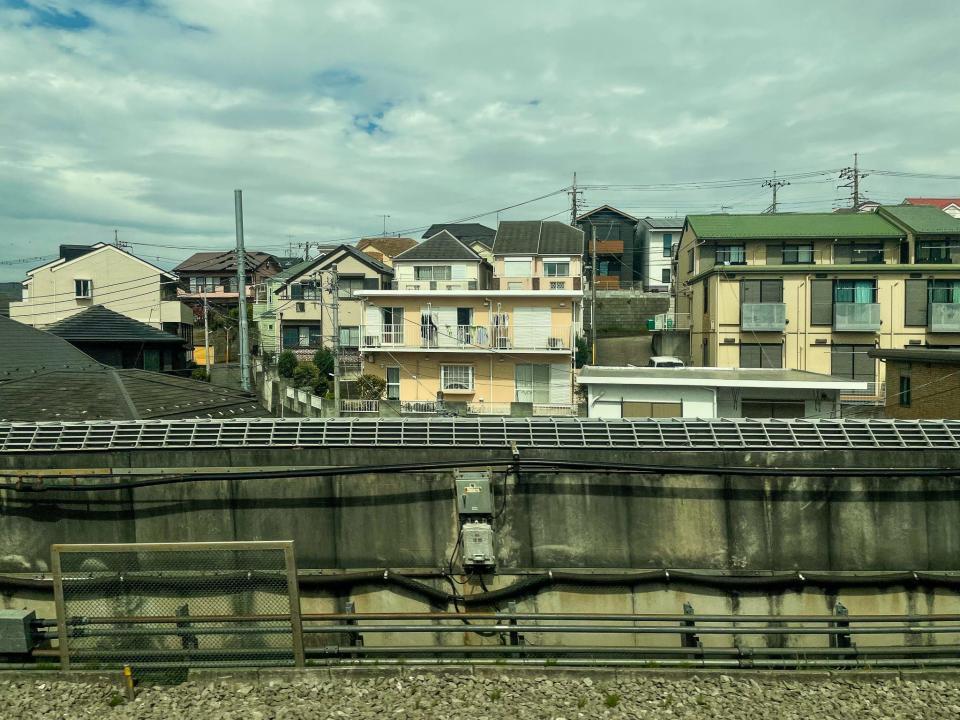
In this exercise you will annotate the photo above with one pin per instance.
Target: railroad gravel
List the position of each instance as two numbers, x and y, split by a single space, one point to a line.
451 696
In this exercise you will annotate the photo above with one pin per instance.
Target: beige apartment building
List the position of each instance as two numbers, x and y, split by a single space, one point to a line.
450 330
818 292
87 275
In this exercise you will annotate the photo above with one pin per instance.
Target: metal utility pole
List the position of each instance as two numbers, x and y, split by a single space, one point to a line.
775 185
242 289
853 176
206 335
593 296
335 313
574 202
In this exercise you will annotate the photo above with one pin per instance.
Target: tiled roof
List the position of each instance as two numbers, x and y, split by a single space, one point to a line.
389 246
464 232
788 226
155 395
28 351
935 202
607 208
224 261
663 223
922 219
537 237
98 324
296 271
442 246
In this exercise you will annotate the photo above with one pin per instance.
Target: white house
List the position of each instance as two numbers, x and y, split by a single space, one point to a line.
630 392
659 237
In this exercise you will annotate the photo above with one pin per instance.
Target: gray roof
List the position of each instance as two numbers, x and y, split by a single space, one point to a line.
674 223
939 356
299 269
442 246
537 237
222 261
465 232
28 351
98 324
742 377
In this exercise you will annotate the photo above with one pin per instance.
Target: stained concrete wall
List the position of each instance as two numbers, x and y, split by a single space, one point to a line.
625 312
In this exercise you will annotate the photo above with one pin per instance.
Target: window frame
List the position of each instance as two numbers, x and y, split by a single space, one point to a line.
943 245
547 268
528 271
82 288
437 273
726 249
763 354
871 253
353 283
448 384
904 397
386 377
665 276
667 240
796 249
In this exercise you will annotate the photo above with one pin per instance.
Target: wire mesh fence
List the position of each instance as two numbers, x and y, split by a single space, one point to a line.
166 607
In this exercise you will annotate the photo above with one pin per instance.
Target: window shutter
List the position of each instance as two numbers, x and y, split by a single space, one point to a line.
749 356
915 302
864 366
821 302
774 254
771 291
371 283
771 356
842 254
749 291
560 383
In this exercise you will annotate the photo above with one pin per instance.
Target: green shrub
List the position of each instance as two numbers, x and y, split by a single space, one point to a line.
323 359
306 375
371 387
286 364
199 374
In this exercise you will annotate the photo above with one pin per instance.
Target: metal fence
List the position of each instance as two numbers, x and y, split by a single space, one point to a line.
167 607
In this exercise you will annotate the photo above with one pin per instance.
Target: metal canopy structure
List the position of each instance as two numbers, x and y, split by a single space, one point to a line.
648 434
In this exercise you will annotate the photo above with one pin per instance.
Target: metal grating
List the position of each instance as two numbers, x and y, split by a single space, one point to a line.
487 432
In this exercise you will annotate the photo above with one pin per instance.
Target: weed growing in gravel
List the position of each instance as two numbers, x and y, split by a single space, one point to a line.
611 700
495 694
115 699
581 702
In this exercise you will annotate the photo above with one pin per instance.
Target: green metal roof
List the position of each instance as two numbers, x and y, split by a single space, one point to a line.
291 271
790 226
923 219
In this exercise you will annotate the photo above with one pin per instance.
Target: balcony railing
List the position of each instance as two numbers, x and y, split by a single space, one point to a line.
350 407
944 317
488 408
554 410
856 317
466 337
419 407
874 394
763 317
669 321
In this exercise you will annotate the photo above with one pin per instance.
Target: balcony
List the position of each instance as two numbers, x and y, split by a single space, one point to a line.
874 394
420 285
856 317
763 317
468 337
944 317
356 407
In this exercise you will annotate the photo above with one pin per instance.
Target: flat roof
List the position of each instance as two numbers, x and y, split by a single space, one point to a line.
927 355
714 377
472 293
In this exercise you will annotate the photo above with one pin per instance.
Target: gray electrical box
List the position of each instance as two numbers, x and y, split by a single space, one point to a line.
478 545
474 494
16 631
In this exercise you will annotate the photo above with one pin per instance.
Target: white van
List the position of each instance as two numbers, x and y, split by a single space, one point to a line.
665 361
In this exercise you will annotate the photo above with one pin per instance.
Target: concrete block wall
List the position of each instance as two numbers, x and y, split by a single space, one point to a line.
625 312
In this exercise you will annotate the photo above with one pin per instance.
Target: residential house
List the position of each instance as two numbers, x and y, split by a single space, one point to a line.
922 383
951 206
100 274
617 240
385 248
9 292
475 236
449 331
537 255
658 240
120 341
816 292
213 275
302 304
44 377
641 392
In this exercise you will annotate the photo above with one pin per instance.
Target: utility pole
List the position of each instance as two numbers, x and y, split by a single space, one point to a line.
206 335
117 242
384 224
574 201
242 288
775 185
335 312
853 176
593 296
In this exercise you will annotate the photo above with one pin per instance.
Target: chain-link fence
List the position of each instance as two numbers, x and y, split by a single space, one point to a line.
167 607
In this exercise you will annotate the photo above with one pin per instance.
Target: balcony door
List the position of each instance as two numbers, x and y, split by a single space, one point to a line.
532 327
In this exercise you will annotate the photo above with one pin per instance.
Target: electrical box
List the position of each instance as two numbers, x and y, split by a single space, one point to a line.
16 631
474 494
478 545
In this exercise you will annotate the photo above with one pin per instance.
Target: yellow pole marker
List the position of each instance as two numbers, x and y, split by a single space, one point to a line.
128 682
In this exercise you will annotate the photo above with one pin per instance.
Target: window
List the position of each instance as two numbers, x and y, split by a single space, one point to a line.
855 291
83 288
731 255
933 251
706 296
520 268
532 383
761 291
904 396
393 325
347 285
558 285
852 362
798 254
456 377
667 244
304 336
665 276
432 272
201 284
555 269
944 291
350 337
761 355
866 253
690 260
393 383
227 283
630 409
771 409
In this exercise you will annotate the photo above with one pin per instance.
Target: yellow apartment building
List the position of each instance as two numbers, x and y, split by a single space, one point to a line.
818 292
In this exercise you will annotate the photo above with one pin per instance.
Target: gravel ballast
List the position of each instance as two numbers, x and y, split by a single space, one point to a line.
508 694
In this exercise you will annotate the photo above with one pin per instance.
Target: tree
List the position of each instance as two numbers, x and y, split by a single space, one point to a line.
583 352
371 387
305 375
286 364
323 359
199 374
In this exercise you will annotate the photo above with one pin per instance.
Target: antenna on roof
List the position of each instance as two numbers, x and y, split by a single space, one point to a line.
117 242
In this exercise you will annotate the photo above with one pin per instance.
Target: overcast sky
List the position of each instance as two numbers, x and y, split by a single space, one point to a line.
144 115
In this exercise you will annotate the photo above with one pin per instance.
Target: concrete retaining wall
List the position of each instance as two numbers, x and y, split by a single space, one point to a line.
625 312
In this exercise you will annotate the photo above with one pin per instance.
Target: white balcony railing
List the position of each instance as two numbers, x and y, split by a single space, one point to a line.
856 317
554 410
669 321
492 337
359 406
944 317
381 335
488 408
763 317
419 407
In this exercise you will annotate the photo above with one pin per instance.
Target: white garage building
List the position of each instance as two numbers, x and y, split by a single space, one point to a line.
625 392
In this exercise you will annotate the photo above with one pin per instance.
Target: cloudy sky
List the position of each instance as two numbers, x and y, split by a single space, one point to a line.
144 115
